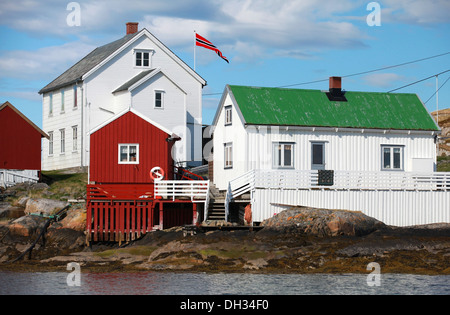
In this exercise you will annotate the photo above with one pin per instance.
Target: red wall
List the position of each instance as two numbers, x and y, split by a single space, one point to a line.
20 143
154 150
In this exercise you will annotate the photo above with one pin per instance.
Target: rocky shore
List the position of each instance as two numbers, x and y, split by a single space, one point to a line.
298 240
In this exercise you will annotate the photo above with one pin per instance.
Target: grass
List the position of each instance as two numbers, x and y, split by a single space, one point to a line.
443 164
64 186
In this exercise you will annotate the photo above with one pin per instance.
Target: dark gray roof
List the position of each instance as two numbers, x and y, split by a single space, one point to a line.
76 72
135 79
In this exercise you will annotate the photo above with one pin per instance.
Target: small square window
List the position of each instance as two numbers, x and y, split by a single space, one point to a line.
142 59
128 153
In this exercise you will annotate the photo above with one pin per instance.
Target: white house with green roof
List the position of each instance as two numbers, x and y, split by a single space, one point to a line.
291 139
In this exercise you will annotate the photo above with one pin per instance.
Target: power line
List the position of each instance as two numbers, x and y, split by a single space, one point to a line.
402 87
437 90
356 74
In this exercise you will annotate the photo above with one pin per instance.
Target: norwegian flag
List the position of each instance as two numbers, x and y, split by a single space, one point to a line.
203 42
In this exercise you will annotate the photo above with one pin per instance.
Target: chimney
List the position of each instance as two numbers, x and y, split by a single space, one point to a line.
335 85
132 27
335 93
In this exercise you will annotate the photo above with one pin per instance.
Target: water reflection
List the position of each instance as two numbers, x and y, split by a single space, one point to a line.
152 283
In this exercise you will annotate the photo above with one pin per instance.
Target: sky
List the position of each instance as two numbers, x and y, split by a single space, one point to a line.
375 46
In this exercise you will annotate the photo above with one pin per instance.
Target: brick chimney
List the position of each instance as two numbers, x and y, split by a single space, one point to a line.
132 27
335 83
335 93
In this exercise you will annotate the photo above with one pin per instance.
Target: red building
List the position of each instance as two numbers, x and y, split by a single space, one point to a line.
121 201
20 140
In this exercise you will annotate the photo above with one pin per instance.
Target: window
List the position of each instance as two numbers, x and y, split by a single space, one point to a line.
228 159
228 111
62 101
142 59
283 155
318 155
50 111
63 140
392 158
159 99
75 99
128 153
75 138
50 143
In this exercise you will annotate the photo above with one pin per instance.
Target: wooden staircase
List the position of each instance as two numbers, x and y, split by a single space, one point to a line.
216 210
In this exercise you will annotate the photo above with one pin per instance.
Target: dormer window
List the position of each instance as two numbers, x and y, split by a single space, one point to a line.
142 58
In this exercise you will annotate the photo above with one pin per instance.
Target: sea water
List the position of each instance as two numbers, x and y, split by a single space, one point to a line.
155 283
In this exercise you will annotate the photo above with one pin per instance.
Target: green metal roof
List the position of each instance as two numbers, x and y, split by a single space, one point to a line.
295 107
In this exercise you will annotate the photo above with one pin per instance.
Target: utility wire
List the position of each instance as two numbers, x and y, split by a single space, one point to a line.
437 90
359 73
402 87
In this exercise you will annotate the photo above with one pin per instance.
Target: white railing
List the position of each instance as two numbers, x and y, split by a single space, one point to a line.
10 178
173 189
342 180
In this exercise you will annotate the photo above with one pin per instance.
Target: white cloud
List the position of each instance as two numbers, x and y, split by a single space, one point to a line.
383 80
421 12
43 63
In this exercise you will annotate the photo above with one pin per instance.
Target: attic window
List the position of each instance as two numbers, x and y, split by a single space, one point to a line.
142 58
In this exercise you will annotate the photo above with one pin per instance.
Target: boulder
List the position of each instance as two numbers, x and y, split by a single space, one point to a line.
323 222
26 226
44 206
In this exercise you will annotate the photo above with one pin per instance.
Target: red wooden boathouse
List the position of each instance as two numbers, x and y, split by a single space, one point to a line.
123 200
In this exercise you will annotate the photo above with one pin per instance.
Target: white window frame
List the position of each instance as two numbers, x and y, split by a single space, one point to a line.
320 166
128 145
156 92
62 133
228 155
228 115
50 143
392 148
50 104
62 102
74 138
143 52
75 97
278 153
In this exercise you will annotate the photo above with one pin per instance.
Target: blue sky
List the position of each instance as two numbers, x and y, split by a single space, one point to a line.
268 43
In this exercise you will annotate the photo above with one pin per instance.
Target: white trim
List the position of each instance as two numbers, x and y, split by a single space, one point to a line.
128 153
123 113
162 92
150 53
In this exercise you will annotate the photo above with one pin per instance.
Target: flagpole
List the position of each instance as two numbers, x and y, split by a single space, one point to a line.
195 44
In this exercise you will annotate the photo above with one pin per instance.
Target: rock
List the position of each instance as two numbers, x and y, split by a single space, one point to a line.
75 220
44 206
26 226
10 212
323 222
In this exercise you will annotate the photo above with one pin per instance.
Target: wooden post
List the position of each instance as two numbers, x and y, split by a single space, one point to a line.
194 212
161 211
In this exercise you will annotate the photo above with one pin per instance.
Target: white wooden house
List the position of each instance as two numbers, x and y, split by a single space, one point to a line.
136 71
293 147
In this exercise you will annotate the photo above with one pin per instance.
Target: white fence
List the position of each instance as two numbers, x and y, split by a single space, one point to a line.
196 190
395 198
10 178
